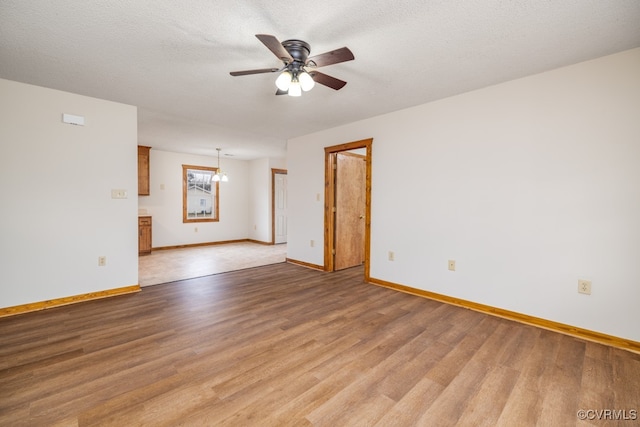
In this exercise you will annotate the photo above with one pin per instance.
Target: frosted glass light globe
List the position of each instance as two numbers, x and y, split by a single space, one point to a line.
295 89
284 81
306 81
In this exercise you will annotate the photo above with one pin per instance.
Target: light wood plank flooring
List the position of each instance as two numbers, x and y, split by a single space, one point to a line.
283 345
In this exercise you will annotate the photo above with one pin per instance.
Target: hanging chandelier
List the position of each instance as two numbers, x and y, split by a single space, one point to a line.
219 175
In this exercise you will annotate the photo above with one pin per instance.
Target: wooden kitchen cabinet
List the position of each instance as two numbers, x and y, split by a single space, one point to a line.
143 170
144 235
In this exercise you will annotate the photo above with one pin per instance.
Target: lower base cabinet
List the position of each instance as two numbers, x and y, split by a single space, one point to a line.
144 235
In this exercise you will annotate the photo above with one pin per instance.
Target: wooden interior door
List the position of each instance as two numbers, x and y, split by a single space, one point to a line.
350 207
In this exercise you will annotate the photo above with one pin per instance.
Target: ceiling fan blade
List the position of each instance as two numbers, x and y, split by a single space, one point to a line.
327 80
247 72
334 57
282 92
275 46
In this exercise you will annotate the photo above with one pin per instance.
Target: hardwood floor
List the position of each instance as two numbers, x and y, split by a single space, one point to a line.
283 345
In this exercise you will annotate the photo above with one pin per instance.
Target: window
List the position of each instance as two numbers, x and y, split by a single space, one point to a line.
199 194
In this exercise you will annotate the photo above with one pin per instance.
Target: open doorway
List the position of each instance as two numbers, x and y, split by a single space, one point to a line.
278 206
343 214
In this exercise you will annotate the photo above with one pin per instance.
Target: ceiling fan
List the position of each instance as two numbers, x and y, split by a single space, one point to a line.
299 71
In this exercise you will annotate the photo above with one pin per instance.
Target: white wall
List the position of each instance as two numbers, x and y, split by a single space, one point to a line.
529 185
260 210
164 203
64 175
245 200
305 184
260 200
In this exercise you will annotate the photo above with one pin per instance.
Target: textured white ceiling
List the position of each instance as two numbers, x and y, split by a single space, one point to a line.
172 58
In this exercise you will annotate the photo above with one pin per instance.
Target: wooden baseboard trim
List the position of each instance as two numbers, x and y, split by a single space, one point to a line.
305 264
562 328
260 242
43 305
195 245
222 242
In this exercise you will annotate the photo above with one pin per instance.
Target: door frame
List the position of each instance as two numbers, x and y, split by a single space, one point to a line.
274 171
330 197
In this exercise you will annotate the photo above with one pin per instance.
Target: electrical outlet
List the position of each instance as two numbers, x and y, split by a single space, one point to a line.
392 256
312 243
452 265
102 261
584 287
195 229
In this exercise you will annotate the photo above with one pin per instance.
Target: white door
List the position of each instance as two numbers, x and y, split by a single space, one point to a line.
280 208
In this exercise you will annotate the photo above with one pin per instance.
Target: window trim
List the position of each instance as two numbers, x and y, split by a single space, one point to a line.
215 199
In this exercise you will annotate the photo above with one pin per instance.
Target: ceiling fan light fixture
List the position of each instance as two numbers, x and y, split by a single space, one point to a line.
295 89
294 55
306 81
284 80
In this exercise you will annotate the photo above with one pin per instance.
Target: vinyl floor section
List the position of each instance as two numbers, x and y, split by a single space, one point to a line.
283 345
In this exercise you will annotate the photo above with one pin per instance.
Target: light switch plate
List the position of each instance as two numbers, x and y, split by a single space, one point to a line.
118 194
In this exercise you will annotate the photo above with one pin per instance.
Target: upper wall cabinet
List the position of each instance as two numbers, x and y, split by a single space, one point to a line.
143 170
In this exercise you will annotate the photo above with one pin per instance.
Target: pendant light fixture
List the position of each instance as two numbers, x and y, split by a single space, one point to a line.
219 176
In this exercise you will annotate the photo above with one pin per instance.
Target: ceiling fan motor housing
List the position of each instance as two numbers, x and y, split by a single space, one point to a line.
298 50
